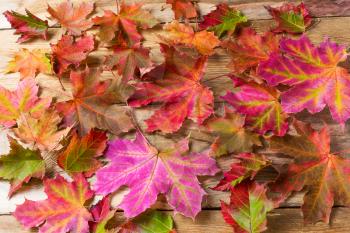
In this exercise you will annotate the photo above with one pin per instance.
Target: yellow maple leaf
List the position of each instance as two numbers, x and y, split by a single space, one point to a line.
29 63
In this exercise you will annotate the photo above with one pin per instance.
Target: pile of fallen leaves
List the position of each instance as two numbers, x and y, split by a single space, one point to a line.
91 134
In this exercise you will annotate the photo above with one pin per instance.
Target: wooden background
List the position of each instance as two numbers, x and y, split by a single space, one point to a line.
331 18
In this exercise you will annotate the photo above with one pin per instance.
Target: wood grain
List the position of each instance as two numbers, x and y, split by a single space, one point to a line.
211 221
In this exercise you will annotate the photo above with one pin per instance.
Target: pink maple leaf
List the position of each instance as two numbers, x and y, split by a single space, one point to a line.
314 75
64 209
148 173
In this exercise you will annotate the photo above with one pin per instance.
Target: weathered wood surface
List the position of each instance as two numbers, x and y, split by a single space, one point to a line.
210 221
286 219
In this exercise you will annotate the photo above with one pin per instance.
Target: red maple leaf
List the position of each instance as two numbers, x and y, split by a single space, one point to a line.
70 52
179 88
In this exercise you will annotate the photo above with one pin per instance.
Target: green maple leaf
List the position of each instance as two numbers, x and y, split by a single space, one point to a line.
20 165
149 222
223 20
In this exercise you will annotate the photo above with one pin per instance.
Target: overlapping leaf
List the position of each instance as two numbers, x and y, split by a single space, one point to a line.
315 78
94 104
30 63
42 133
223 20
148 173
73 19
101 214
126 22
179 88
232 136
20 165
81 153
152 221
249 49
63 211
248 208
128 61
183 9
22 100
260 104
290 18
177 33
247 166
70 52
28 26
325 176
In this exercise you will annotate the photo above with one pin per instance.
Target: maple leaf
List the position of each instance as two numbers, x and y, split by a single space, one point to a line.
177 33
30 63
248 208
148 173
246 167
28 26
101 214
232 136
222 20
260 104
128 61
20 165
324 176
94 104
81 153
290 18
63 211
315 78
70 52
22 100
249 49
151 221
41 133
183 9
179 89
74 19
129 18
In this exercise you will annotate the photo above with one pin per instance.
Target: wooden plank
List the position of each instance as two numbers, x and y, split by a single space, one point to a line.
288 220
254 10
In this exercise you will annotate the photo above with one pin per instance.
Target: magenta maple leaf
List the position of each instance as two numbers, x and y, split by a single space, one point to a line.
63 211
313 73
261 106
148 173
